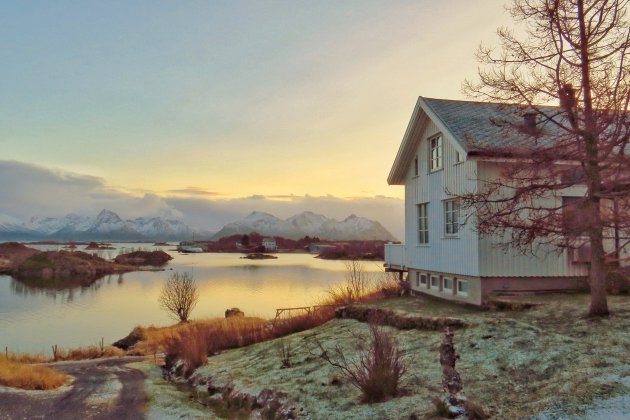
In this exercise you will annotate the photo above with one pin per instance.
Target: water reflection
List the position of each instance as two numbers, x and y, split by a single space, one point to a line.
35 314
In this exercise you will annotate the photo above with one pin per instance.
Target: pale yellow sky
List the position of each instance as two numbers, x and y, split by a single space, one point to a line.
239 99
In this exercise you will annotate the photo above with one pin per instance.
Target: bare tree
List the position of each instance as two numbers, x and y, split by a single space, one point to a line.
179 295
573 54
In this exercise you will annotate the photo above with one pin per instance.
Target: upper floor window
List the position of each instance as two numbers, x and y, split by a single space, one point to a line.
415 166
435 153
423 223
459 158
451 217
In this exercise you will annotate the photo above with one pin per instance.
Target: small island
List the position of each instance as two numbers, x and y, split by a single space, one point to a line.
23 262
260 256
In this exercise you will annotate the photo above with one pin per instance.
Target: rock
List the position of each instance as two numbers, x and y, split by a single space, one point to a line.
234 312
136 335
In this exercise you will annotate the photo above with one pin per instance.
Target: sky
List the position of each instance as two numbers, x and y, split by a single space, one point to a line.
182 107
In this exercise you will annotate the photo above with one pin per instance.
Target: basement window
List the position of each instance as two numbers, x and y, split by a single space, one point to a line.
447 284
462 287
423 280
435 282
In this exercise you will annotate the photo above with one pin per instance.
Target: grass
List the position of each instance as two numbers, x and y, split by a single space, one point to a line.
27 376
78 353
550 357
166 401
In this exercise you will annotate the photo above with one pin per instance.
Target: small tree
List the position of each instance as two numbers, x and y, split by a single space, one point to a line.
179 295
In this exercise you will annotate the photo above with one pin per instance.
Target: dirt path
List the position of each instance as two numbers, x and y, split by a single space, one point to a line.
102 389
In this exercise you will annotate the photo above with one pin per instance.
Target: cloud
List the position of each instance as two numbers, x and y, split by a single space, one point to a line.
193 191
30 190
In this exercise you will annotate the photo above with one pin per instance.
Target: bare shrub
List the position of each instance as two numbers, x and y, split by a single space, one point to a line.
379 369
179 295
285 351
357 284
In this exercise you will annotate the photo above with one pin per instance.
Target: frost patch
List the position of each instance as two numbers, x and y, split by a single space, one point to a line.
106 393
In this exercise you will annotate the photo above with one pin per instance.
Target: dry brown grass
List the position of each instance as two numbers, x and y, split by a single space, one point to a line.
78 353
28 376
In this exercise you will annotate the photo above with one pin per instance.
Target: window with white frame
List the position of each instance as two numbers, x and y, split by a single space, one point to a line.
451 217
435 153
459 158
423 280
447 284
462 287
423 223
435 282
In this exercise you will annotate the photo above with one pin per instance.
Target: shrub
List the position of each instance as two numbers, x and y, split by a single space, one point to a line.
379 369
191 348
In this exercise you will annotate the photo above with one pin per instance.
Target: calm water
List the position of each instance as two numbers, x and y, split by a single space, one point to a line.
33 318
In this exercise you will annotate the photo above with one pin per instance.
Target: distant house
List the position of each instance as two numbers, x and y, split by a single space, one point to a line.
269 244
317 248
443 255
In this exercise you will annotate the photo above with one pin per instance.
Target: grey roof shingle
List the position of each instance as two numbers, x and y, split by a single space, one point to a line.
475 125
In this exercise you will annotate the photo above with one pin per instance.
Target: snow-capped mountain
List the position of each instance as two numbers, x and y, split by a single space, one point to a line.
307 223
354 227
156 226
13 230
50 225
107 225
263 223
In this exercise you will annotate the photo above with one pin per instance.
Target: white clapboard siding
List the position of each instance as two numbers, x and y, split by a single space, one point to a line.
451 255
496 261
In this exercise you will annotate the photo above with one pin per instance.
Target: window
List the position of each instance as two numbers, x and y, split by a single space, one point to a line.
435 282
447 284
423 280
462 287
415 166
459 158
573 216
451 217
436 153
423 223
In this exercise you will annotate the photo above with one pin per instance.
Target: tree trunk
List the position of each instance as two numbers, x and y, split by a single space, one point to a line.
599 302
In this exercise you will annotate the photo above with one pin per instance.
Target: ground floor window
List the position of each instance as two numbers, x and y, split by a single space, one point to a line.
435 282
462 287
423 280
447 284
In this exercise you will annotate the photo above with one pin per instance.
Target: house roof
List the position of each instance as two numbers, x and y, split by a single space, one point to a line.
472 125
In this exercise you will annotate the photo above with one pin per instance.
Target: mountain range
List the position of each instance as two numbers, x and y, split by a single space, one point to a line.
307 223
109 226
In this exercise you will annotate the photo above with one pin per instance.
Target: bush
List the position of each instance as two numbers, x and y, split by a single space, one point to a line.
379 369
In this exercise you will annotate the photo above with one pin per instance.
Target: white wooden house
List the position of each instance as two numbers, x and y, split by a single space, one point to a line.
269 244
443 253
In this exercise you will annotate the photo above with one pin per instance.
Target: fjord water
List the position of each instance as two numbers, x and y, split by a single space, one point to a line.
32 318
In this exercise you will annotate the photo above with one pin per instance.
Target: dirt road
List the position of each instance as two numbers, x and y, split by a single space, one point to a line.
102 389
